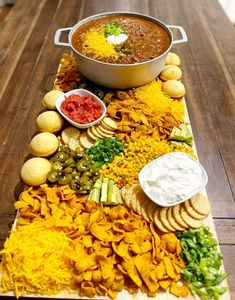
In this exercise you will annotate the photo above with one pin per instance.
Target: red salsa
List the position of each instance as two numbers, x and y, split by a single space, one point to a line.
81 109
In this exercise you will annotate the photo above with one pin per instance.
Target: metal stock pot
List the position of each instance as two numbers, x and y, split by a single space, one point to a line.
119 76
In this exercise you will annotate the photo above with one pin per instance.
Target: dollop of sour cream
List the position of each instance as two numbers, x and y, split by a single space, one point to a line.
172 178
117 39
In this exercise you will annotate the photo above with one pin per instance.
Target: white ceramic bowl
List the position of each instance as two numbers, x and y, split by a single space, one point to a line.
160 176
80 92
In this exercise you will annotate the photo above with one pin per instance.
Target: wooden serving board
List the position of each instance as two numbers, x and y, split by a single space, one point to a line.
139 296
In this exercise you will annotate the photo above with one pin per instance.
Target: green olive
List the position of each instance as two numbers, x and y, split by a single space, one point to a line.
57 166
52 176
65 179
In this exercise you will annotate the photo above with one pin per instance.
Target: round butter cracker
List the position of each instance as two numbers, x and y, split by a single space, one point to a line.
193 212
201 204
95 133
85 141
104 130
144 210
194 223
172 221
103 134
176 215
133 197
158 222
91 135
109 123
126 195
164 219
151 208
74 143
68 133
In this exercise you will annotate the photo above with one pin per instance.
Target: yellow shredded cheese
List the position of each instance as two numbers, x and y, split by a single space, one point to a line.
154 97
97 43
34 261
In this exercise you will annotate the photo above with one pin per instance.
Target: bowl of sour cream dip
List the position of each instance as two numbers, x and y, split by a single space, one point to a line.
172 178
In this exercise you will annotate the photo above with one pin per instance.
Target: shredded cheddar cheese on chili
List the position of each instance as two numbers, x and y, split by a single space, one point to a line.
97 43
34 261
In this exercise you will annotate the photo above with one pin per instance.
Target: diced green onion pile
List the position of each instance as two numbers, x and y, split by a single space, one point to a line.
203 262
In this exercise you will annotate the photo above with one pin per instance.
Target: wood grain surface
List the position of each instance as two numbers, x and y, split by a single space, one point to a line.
29 60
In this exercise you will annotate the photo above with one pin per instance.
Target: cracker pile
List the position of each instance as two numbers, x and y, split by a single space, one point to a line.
86 138
189 214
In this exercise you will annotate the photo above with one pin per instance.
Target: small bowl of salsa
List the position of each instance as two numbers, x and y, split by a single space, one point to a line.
81 108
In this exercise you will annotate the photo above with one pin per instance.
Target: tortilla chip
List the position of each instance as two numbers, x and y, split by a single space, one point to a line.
129 266
87 289
160 270
85 263
102 231
179 290
142 248
122 249
165 283
171 242
169 267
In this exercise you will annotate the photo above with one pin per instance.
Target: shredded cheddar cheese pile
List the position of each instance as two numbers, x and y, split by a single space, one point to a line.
153 97
34 261
145 110
97 43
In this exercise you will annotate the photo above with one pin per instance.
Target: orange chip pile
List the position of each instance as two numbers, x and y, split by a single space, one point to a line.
145 110
113 249
57 205
68 75
121 251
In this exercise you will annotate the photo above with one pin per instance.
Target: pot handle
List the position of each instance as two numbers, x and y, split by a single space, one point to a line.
183 33
58 34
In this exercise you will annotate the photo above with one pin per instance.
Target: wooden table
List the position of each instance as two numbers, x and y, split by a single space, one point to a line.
29 60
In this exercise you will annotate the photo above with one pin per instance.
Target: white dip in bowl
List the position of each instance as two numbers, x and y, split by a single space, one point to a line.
172 178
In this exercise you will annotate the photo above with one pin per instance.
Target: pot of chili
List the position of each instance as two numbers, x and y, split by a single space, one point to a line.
120 49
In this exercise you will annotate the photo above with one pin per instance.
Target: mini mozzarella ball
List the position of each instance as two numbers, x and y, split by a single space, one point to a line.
34 171
172 59
49 121
173 88
170 72
44 144
50 98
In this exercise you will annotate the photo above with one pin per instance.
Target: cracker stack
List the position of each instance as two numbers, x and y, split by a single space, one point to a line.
168 219
84 139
